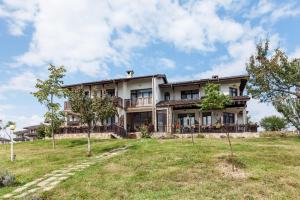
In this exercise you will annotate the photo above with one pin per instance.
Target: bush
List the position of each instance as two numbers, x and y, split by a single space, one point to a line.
273 123
145 131
7 179
200 136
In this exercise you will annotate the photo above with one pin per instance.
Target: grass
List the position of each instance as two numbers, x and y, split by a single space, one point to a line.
170 169
35 159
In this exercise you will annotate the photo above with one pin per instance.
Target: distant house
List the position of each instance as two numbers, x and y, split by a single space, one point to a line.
20 136
4 140
170 107
28 134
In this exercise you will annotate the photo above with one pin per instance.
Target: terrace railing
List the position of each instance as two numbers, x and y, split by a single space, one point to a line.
118 130
216 129
139 102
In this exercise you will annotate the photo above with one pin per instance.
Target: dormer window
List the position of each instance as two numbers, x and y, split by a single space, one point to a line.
167 96
233 92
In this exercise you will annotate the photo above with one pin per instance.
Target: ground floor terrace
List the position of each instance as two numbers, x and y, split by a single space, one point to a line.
173 117
190 120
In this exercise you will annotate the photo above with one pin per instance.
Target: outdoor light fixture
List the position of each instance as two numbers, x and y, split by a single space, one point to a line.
12 128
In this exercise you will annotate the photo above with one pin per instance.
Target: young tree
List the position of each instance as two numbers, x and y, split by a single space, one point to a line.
47 91
91 110
83 106
104 107
275 78
273 123
216 100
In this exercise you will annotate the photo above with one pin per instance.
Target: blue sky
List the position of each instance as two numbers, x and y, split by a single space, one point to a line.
102 39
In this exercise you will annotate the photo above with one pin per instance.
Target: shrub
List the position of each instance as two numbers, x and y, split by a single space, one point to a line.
273 123
7 179
145 132
200 136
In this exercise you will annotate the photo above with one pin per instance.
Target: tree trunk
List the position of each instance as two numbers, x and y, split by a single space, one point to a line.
231 152
52 125
89 149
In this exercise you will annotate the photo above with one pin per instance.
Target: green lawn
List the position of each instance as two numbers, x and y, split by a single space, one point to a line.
168 169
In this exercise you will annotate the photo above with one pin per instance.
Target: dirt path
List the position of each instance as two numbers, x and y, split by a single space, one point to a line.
51 180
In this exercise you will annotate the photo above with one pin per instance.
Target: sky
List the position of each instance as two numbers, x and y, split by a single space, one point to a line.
94 40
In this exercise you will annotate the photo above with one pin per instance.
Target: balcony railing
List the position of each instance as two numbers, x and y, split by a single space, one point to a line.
118 101
216 129
139 102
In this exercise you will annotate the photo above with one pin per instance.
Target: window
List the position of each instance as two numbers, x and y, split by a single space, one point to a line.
167 96
190 94
228 118
206 119
233 92
110 92
144 93
187 120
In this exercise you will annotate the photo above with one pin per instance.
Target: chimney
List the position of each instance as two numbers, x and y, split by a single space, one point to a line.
130 73
215 77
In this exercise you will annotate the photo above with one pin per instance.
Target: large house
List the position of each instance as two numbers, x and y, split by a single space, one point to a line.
169 107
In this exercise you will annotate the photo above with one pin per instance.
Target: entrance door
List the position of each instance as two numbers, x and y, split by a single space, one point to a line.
161 120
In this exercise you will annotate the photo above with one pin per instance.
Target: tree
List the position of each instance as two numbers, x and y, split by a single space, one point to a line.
47 91
273 123
104 107
275 78
290 108
273 75
91 110
216 100
83 106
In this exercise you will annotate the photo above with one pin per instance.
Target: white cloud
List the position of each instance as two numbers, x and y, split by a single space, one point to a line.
23 82
296 53
269 11
167 63
90 34
188 68
4 107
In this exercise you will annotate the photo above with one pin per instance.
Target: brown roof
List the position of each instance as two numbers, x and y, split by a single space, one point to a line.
202 81
4 139
117 80
33 127
193 102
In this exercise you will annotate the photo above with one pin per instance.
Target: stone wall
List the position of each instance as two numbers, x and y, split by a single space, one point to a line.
221 135
84 135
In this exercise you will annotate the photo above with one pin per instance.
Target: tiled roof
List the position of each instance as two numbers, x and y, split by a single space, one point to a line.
202 81
117 80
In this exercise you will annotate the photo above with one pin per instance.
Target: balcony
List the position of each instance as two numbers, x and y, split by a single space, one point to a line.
139 102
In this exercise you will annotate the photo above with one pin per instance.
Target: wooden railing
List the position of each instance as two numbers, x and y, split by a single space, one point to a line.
139 102
118 130
216 129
